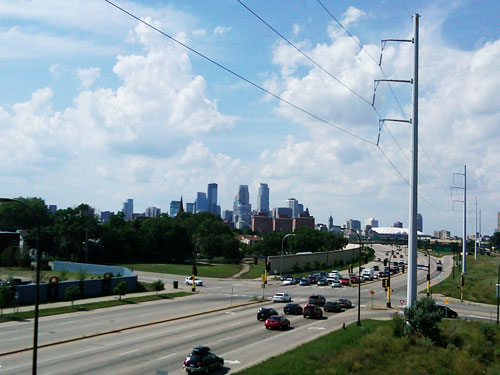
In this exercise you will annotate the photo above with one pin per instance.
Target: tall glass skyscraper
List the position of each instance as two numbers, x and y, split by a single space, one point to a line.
242 209
263 199
212 198
128 209
201 203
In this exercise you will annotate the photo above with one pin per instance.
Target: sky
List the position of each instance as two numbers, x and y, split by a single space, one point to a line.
97 107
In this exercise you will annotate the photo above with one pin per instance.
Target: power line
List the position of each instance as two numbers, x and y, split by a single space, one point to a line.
241 77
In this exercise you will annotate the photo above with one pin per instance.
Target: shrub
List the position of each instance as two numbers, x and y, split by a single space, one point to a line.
120 289
158 286
6 297
71 293
422 319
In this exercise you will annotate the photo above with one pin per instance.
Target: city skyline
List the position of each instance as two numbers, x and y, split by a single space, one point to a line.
138 115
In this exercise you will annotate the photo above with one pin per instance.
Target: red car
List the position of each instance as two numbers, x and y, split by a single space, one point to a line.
344 281
277 322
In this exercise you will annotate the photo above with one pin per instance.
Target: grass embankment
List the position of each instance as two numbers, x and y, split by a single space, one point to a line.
90 306
204 270
256 270
468 348
28 274
480 280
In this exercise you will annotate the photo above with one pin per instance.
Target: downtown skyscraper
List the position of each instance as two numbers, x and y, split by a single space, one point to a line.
263 199
212 198
242 209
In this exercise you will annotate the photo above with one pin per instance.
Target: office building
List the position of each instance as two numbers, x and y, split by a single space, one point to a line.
201 203
282 224
105 215
175 207
227 215
212 198
190 208
52 208
442 234
262 223
371 223
330 223
420 223
293 204
128 209
397 224
353 224
152 212
303 220
242 208
282 212
263 199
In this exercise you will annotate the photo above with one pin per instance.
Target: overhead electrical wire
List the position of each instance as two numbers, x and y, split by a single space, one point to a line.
241 77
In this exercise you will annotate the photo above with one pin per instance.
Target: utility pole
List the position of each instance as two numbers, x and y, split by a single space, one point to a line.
475 235
464 237
412 229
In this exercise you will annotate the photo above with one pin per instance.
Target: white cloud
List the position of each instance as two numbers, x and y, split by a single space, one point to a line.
88 76
57 70
351 15
199 33
297 29
220 30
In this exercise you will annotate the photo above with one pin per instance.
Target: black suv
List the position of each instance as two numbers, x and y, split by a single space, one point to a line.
201 360
332 306
312 311
292 308
265 313
317 300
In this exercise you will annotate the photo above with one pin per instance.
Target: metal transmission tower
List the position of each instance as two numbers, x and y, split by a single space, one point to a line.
412 233
464 239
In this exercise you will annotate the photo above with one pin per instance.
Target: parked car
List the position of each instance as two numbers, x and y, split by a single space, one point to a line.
438 261
356 279
336 284
376 268
281 297
447 312
322 282
202 360
285 276
344 303
312 311
312 279
333 273
332 306
381 274
344 281
288 281
293 308
197 282
265 312
296 280
317 299
277 322
304 282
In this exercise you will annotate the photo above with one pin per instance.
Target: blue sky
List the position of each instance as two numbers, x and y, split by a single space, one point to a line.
98 108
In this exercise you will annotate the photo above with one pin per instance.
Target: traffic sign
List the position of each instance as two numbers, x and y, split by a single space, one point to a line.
446 300
401 302
372 292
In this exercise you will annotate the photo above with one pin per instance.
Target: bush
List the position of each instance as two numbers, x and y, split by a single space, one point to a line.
158 286
6 298
120 289
422 319
71 293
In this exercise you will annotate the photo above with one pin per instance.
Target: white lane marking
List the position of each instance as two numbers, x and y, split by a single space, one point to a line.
316 328
186 337
230 312
478 316
235 362
131 351
166 356
20 338
227 338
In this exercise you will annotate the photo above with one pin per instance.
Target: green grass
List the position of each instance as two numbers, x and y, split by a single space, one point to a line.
90 306
204 270
435 254
480 280
470 348
256 270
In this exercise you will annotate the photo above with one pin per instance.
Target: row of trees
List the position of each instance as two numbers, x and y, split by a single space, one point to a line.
76 234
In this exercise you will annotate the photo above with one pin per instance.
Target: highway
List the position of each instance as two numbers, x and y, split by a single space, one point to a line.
233 333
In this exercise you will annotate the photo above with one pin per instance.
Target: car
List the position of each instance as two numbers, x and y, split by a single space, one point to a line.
356 279
285 276
288 281
401 256
332 306
304 282
333 273
438 261
202 360
344 281
293 308
381 274
197 282
376 268
344 303
316 299
447 312
296 280
312 279
281 297
336 284
277 322
312 311
378 260
266 312
322 282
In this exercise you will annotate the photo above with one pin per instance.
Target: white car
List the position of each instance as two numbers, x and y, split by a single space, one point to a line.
281 297
197 282
288 281
336 284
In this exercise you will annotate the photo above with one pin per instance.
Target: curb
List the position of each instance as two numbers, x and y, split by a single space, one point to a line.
79 338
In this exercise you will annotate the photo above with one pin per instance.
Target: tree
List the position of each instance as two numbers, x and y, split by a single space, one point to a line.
71 293
7 297
158 286
422 319
495 240
120 289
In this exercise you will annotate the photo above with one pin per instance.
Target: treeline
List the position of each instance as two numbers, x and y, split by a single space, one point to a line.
76 234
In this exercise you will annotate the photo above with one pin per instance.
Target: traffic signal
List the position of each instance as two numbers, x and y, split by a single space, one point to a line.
384 283
385 262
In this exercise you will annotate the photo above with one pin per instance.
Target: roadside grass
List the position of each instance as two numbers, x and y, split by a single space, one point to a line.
23 315
204 270
480 280
256 270
470 348
435 254
28 274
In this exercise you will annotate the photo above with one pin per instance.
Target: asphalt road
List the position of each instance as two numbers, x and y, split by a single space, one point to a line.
234 334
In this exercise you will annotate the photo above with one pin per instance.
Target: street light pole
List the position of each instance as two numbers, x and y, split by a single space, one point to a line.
37 287
359 277
281 257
